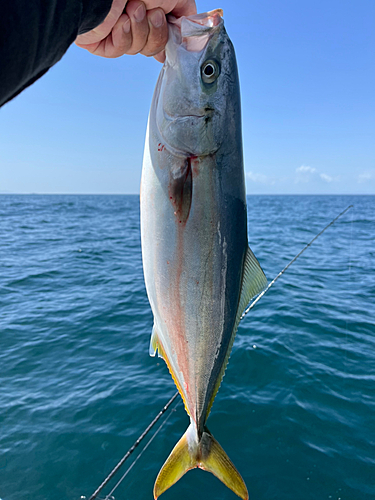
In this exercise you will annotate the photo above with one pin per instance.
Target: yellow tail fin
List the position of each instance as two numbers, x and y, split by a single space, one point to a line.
206 454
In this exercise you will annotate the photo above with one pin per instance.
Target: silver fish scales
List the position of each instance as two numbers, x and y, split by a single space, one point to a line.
199 270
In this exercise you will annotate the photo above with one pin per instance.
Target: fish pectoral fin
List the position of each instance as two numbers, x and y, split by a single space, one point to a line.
254 280
206 454
155 344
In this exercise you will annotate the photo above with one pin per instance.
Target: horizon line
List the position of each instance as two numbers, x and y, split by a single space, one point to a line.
6 193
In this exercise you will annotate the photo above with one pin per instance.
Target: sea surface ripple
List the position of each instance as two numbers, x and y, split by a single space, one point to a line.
296 410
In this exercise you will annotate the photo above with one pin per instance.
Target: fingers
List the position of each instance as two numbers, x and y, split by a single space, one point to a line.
121 40
184 8
141 28
117 43
160 57
99 33
149 31
136 31
176 7
158 33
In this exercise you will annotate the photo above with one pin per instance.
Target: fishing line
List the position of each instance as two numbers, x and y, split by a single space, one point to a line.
291 262
130 451
350 290
165 408
109 496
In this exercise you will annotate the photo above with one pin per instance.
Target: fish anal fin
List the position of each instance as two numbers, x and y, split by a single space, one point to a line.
156 345
206 454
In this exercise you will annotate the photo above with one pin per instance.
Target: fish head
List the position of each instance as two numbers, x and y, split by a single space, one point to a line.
198 93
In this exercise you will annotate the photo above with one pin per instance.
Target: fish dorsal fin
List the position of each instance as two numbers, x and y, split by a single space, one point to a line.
254 281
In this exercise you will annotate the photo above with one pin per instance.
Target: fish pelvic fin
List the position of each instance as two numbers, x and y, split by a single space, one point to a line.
207 454
154 344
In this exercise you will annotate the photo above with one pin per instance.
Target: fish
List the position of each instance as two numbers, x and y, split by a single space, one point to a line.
199 270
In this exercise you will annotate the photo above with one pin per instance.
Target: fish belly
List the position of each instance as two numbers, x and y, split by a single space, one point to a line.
193 253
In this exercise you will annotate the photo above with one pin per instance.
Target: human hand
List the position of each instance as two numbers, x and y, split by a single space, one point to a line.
133 27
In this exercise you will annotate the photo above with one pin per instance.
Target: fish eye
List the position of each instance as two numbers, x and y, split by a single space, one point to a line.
209 71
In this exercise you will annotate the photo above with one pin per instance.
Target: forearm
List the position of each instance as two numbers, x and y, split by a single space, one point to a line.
34 36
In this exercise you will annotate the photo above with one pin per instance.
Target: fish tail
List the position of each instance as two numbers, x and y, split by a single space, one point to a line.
206 454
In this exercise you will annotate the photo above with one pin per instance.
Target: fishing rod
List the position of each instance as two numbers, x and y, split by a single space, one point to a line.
135 445
168 404
291 262
109 495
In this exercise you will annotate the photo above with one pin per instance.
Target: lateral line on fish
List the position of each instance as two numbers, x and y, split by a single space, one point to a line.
291 262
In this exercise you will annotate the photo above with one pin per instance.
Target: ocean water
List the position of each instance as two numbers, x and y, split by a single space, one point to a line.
296 410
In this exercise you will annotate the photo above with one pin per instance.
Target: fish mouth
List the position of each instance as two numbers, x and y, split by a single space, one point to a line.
178 118
181 117
198 24
194 32
198 114
207 113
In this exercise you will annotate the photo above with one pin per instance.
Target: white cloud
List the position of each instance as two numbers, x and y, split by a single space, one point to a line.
259 178
366 176
326 177
305 174
305 169
303 179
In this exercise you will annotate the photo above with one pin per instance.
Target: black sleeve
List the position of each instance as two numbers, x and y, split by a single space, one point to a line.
35 34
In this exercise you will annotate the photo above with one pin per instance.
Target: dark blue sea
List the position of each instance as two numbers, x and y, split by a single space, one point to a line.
296 410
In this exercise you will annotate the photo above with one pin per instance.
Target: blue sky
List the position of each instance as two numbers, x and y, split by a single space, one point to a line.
307 72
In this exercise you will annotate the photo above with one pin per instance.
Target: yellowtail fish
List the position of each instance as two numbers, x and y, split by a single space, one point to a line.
199 270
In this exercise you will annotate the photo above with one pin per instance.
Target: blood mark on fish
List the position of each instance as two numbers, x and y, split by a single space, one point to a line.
194 161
